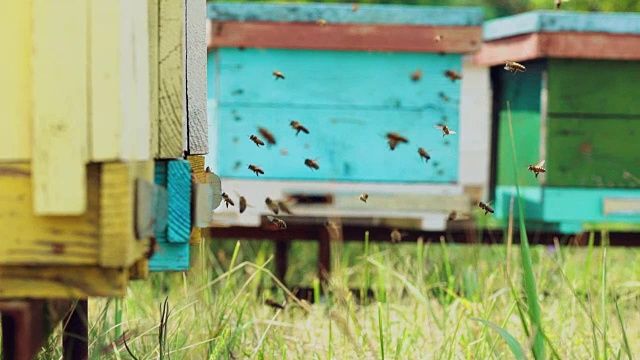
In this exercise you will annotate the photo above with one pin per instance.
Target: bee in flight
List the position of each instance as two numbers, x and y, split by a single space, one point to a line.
284 207
438 38
274 304
312 164
274 220
452 75
207 170
445 130
354 7
256 140
227 200
487 209
272 205
298 127
394 139
537 168
558 3
243 204
396 236
364 197
321 22
424 154
514 67
416 75
256 169
278 75
453 215
267 135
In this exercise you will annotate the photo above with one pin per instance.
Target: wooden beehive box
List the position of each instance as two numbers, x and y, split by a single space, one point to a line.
348 80
92 93
576 107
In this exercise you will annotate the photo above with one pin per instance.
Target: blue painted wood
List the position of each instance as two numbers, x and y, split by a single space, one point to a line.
179 191
170 257
336 79
342 13
348 144
556 21
161 208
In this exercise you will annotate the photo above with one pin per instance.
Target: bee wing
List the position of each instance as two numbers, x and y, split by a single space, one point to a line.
451 132
541 163
438 126
271 218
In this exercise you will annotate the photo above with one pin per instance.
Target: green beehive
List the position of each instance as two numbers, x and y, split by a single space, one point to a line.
577 107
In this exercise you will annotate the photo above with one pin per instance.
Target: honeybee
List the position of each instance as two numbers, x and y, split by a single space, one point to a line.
453 215
537 168
396 236
267 135
438 38
392 144
321 22
298 127
274 220
272 205
354 7
394 139
256 169
558 3
207 170
274 304
364 197
485 206
452 75
283 206
416 75
514 67
256 140
424 154
278 75
445 130
312 164
227 200
243 204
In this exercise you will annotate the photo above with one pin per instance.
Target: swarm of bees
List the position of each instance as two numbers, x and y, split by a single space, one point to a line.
514 67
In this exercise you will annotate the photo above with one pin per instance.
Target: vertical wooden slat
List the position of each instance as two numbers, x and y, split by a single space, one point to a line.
15 72
179 191
171 77
196 77
60 108
197 167
152 21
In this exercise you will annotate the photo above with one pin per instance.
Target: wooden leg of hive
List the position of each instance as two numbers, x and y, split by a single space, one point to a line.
75 343
22 328
324 255
282 259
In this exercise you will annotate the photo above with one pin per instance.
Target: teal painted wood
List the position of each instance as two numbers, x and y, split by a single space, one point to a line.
179 191
160 179
531 197
335 79
342 13
561 21
170 257
349 145
585 205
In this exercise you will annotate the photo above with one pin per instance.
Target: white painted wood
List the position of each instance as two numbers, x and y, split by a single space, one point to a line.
196 77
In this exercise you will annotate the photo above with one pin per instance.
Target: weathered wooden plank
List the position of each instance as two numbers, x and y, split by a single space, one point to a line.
196 77
29 239
171 76
207 198
60 107
61 282
179 187
313 81
343 13
118 244
154 79
197 169
611 89
171 257
16 75
162 203
517 48
146 199
120 123
349 37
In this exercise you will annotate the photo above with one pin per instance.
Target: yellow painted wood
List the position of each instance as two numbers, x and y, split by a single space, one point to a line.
60 106
197 167
139 270
120 123
28 239
154 83
61 282
118 246
171 73
15 87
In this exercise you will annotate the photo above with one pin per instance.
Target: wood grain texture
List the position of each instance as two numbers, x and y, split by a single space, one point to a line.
179 187
45 240
171 77
118 244
60 107
162 205
120 123
357 37
196 77
197 169
16 74
61 282
154 76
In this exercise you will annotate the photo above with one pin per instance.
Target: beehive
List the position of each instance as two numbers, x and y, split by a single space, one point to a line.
575 107
348 80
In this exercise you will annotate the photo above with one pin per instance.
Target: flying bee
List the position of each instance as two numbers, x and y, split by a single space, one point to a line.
256 169
274 304
396 236
267 135
274 220
394 139
537 168
364 197
453 215
424 154
272 205
445 130
227 200
298 127
243 204
256 140
438 38
416 75
558 3
354 7
278 75
392 144
514 67
487 209
312 164
284 207
321 22
207 170
452 75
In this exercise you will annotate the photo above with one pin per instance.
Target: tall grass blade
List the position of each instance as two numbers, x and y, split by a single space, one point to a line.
513 344
527 265
625 340
381 331
604 303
